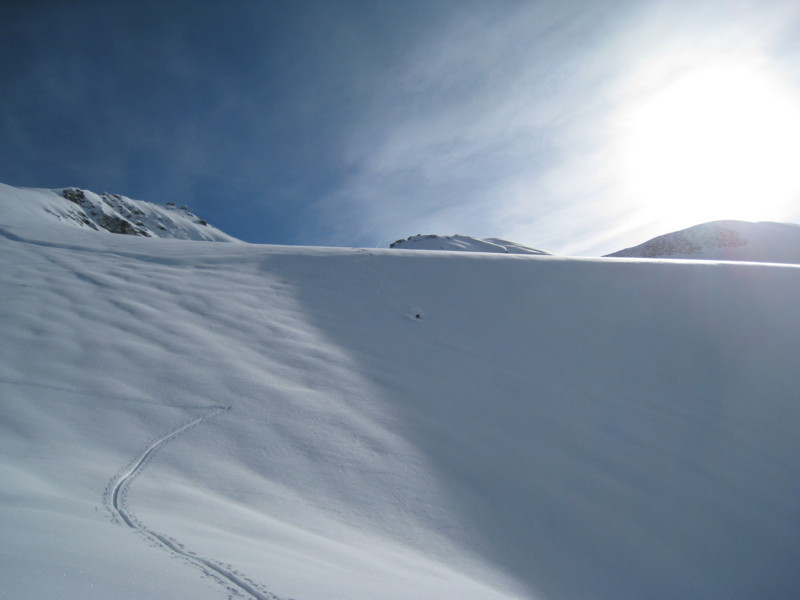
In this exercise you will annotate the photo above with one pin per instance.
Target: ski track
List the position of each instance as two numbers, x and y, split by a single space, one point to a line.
115 501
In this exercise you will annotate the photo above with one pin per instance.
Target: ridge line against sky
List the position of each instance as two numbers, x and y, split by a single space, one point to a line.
572 126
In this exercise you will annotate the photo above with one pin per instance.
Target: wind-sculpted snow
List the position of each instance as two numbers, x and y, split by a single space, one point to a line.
404 424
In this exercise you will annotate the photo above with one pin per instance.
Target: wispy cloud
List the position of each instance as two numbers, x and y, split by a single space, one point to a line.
507 123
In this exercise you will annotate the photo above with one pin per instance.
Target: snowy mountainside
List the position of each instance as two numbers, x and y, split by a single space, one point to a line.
725 240
206 421
108 213
462 243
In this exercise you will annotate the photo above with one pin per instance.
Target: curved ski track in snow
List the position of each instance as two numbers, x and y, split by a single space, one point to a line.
115 501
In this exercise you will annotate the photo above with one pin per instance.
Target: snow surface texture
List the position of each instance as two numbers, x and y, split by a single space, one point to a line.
433 425
725 240
463 243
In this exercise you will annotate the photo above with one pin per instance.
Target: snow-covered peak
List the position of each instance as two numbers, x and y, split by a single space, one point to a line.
463 243
725 240
105 212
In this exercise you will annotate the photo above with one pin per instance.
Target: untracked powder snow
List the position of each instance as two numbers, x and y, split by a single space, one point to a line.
194 419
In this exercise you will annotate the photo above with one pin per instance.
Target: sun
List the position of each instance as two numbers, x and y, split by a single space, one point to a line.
714 142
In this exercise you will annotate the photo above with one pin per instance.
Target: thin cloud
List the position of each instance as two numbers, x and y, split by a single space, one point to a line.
465 135
505 124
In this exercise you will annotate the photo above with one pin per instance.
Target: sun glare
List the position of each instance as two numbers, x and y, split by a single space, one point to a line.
718 142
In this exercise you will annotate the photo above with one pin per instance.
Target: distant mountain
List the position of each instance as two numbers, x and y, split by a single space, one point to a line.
110 213
463 243
725 240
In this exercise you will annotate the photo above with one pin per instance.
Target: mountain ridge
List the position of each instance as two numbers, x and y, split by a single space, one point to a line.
463 243
728 240
762 241
112 213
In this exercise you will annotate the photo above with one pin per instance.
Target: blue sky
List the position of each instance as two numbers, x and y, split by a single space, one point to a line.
576 127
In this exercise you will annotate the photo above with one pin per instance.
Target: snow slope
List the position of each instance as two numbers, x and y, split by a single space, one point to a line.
195 420
106 213
725 240
462 243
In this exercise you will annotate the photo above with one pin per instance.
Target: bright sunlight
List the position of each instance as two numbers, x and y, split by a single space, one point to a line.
717 142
